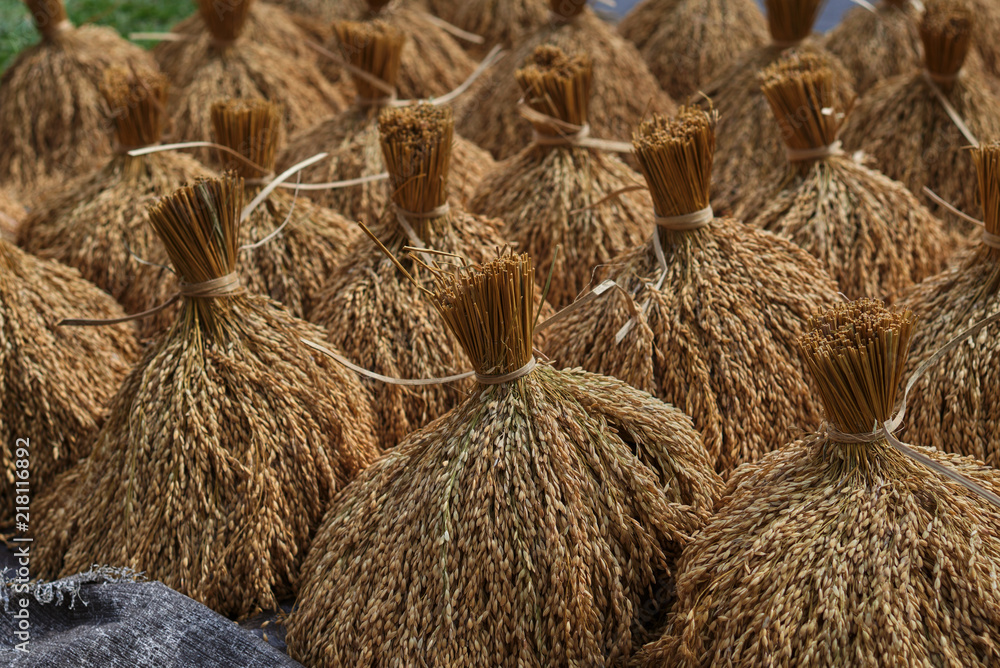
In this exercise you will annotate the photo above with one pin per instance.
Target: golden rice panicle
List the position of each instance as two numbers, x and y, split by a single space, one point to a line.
52 121
869 231
917 127
215 497
292 266
54 381
563 491
875 46
688 43
738 374
955 405
11 215
800 536
552 195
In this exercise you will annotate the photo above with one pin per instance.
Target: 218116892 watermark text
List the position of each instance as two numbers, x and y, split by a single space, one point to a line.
22 545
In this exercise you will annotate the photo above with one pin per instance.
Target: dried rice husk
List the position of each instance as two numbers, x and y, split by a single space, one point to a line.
52 121
11 215
904 127
564 195
878 45
718 336
521 528
624 90
226 62
222 447
99 223
869 231
750 145
505 22
688 43
955 406
351 137
830 553
54 381
293 266
433 62
381 321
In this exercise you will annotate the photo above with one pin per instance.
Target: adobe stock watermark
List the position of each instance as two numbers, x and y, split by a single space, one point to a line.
22 542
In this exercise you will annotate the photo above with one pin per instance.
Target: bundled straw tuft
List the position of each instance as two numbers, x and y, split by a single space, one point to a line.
906 128
750 147
688 43
99 223
378 318
223 446
243 58
291 266
839 549
624 90
560 195
54 381
956 406
52 121
505 22
351 137
520 529
870 233
711 328
878 45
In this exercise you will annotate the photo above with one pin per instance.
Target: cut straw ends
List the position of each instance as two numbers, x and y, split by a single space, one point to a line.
675 155
250 127
946 31
137 98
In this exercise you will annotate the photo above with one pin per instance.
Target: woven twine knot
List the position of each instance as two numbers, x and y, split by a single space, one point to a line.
224 286
575 135
818 153
687 222
509 377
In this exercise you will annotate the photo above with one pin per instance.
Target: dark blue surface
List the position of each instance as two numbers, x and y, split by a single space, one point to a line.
831 13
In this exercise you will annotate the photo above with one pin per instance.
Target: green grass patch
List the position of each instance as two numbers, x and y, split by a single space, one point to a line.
125 16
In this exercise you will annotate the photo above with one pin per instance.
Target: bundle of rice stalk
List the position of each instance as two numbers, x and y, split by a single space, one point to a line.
11 215
987 41
52 122
869 231
838 549
688 43
712 326
905 124
225 63
877 45
558 193
292 265
351 137
955 406
505 22
624 90
99 223
750 146
433 62
54 381
520 529
381 321
223 445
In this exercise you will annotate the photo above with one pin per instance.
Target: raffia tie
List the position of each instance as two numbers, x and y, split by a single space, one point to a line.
508 377
569 134
687 222
818 153
224 286
786 45
403 217
991 240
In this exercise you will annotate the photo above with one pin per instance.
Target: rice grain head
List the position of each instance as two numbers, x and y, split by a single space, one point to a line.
955 406
832 553
749 145
292 266
11 215
688 43
905 129
99 223
867 230
716 336
55 84
624 90
222 447
54 381
236 62
373 314
351 137
564 196
520 529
